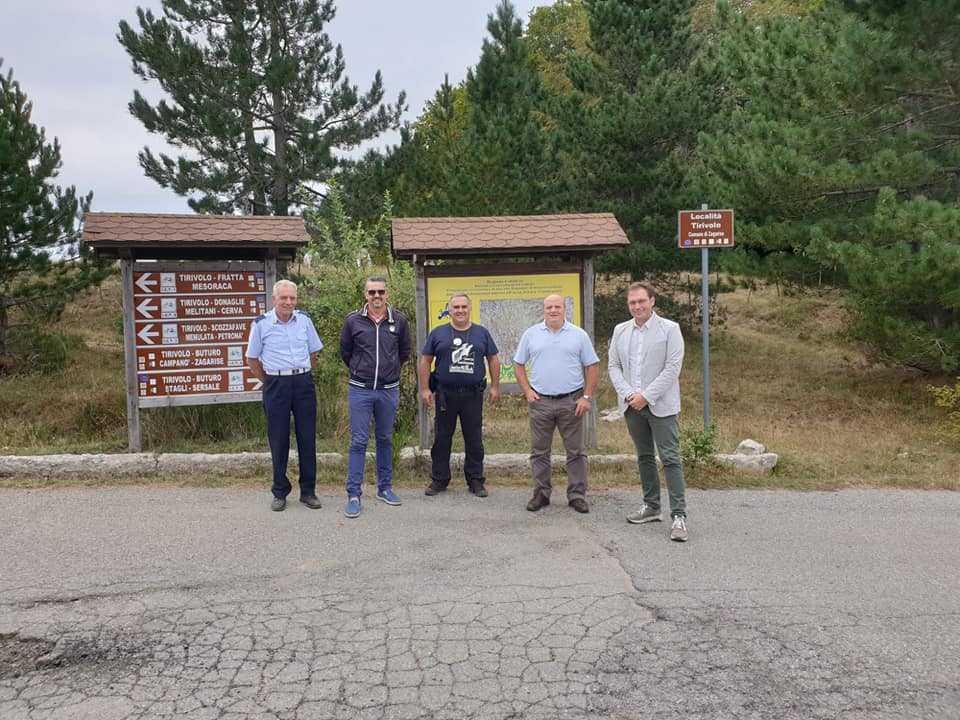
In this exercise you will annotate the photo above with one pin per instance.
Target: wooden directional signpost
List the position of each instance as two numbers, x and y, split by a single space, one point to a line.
192 287
191 329
705 229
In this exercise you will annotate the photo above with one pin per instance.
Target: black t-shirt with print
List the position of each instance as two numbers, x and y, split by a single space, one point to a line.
460 353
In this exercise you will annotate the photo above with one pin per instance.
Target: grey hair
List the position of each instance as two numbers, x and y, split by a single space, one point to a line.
459 294
283 284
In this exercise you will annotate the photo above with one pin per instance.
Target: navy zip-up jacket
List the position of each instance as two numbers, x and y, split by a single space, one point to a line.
374 353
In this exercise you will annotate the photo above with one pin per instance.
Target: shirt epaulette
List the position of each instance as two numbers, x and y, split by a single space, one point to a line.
259 318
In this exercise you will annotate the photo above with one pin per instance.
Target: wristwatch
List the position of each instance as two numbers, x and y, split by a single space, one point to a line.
585 397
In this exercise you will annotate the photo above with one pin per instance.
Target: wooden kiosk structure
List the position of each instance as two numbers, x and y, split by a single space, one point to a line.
507 265
192 286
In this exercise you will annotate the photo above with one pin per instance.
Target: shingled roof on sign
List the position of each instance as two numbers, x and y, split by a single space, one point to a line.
521 233
104 229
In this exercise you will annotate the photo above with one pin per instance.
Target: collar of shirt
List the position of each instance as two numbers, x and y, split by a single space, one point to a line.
278 321
566 326
365 312
645 325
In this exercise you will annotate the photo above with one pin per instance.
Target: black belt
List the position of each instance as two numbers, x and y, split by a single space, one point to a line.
561 396
461 389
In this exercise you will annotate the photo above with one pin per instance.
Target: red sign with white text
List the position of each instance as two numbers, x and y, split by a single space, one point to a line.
705 228
202 282
196 382
184 358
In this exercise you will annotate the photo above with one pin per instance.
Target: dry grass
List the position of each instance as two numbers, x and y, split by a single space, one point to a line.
782 373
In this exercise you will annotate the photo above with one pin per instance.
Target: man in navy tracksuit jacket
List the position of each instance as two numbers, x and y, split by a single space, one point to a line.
374 343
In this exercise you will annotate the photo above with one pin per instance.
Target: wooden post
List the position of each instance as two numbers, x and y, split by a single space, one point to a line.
587 305
423 414
130 354
269 275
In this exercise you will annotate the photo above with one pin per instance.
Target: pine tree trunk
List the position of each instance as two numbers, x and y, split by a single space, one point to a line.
279 191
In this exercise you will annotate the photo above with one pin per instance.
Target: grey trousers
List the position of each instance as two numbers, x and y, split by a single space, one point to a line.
545 415
645 430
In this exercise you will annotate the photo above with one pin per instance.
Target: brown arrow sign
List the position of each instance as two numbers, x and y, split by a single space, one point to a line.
197 382
222 281
187 358
199 307
216 332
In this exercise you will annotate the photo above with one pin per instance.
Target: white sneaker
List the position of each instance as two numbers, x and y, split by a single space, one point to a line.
678 531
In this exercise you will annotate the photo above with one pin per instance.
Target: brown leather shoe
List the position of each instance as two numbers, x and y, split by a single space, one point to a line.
580 505
537 502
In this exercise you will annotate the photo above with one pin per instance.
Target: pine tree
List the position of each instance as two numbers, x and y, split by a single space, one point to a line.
505 163
41 267
259 95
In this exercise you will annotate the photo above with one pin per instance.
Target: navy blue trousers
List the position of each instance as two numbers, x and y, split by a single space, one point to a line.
282 396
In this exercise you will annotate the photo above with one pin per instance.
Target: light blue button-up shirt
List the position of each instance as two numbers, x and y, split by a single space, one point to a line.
283 345
554 361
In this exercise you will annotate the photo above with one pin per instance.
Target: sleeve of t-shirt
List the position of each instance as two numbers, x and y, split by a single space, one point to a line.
588 356
430 346
491 345
254 342
523 349
314 343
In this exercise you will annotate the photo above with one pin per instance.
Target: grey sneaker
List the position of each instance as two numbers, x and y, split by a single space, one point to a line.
678 531
644 515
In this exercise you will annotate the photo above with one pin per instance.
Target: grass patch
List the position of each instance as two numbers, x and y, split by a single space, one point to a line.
783 373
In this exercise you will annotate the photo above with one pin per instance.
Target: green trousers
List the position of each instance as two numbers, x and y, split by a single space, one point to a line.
647 430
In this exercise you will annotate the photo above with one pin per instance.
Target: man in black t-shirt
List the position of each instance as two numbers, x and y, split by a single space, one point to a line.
458 383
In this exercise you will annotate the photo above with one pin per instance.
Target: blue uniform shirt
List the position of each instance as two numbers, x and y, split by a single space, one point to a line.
283 345
554 361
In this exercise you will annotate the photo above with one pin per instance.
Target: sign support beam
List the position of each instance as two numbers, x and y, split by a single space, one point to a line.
705 328
130 354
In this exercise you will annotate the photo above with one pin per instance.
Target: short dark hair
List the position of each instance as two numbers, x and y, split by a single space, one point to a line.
651 293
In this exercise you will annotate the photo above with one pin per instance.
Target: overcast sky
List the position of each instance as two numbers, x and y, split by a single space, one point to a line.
65 55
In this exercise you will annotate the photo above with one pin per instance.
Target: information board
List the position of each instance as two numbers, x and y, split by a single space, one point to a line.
191 329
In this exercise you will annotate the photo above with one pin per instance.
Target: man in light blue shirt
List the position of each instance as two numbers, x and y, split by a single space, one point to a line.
558 370
281 351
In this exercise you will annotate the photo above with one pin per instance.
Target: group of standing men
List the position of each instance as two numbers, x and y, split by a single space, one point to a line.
556 367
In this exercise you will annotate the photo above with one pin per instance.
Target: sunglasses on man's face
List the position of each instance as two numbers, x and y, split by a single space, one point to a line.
376 292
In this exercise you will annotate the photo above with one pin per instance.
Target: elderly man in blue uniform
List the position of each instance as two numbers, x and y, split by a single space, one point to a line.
558 370
281 351
459 348
646 354
374 343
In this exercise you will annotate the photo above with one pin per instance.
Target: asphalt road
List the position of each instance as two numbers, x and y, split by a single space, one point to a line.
187 603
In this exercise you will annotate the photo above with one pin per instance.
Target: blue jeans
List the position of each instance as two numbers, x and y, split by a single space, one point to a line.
382 406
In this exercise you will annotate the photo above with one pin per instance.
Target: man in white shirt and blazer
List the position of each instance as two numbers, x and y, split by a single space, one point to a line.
646 354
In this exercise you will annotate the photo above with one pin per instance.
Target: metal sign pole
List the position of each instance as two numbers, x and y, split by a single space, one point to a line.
705 330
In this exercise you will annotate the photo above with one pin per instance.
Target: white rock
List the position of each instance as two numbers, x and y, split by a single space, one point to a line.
750 447
763 463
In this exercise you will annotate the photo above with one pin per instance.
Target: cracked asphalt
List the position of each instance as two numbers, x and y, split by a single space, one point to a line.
201 603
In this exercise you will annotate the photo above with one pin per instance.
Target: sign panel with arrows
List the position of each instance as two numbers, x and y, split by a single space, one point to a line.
191 329
203 282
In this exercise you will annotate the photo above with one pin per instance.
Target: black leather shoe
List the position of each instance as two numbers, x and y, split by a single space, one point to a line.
479 491
434 489
311 501
537 502
580 505
278 504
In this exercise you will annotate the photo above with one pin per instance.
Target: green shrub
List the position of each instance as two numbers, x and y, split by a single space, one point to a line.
948 398
39 351
697 446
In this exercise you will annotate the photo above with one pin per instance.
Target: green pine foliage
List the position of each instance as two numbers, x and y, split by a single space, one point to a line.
257 93
41 264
